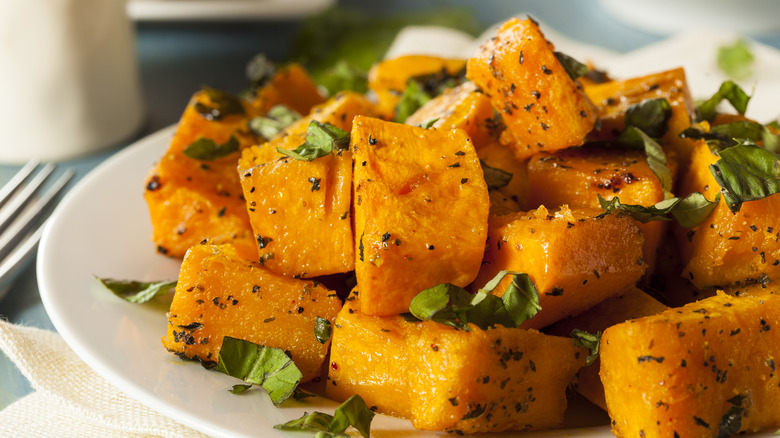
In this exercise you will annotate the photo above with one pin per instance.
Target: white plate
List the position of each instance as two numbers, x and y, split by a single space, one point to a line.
150 10
102 228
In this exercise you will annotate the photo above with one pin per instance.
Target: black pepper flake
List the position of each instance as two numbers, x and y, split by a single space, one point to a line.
271 319
215 301
596 273
371 140
221 212
544 126
385 237
460 153
434 347
162 250
191 326
583 114
153 184
255 288
300 309
522 57
735 332
315 183
454 165
546 70
464 180
555 292
430 247
536 94
701 422
641 359
263 241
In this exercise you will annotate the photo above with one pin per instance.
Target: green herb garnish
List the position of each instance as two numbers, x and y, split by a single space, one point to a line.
574 68
726 135
728 91
267 367
206 149
322 329
259 70
688 212
222 104
344 76
352 412
240 388
587 340
454 306
495 178
651 116
746 172
413 98
137 291
275 121
736 60
635 138
321 140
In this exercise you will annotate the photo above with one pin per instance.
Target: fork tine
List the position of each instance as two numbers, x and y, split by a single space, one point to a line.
15 205
17 260
13 184
30 217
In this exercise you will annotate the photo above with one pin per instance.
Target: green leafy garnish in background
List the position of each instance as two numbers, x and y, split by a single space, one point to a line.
728 91
746 172
736 60
495 178
688 212
137 291
275 120
268 367
321 140
353 412
412 99
344 76
726 135
206 149
362 38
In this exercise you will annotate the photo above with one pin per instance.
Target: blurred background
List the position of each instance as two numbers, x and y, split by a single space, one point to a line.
180 45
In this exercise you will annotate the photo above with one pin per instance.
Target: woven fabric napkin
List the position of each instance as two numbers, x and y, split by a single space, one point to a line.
70 399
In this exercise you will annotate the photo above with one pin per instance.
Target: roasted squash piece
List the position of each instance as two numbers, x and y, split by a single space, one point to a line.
368 358
543 108
706 369
388 79
300 210
489 380
292 87
220 294
613 99
576 176
420 205
729 248
576 258
461 107
632 304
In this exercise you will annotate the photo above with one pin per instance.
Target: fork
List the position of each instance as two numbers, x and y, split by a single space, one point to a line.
23 217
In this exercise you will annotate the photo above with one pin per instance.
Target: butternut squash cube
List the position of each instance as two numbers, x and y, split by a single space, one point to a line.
576 258
461 107
576 176
292 87
300 210
632 304
368 358
543 108
706 369
729 248
388 78
489 380
421 206
613 99
220 294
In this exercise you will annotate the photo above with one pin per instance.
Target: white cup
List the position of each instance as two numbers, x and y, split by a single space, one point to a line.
68 78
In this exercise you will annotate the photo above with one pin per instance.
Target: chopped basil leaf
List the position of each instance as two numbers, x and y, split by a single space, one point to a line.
321 140
736 60
495 178
746 173
413 98
729 91
137 291
259 70
574 68
587 340
222 104
240 388
651 116
206 149
689 211
268 367
344 76
635 138
454 306
726 135
352 412
275 121
428 124
300 394
322 329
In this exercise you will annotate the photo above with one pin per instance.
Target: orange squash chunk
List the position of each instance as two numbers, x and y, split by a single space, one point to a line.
543 108
575 258
292 87
692 370
632 304
220 294
368 358
461 107
420 205
489 380
576 176
613 99
300 210
729 248
389 78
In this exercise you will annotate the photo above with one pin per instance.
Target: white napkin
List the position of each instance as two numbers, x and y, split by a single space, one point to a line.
70 399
